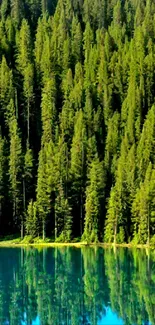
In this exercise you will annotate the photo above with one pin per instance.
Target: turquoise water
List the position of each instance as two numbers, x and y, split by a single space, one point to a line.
70 286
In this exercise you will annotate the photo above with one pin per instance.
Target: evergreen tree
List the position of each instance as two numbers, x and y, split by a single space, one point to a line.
63 216
6 87
24 56
94 194
31 223
15 171
48 110
76 43
43 191
77 170
143 208
17 11
117 223
2 178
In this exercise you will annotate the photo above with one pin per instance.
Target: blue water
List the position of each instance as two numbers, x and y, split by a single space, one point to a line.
110 319
69 286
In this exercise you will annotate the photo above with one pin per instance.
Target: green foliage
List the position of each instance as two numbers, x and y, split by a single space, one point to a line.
31 222
43 190
63 217
77 104
15 169
94 193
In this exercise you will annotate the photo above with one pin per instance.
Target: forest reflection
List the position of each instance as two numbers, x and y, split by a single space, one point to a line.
69 286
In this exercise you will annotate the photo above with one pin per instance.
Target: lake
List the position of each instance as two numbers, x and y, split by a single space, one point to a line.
77 286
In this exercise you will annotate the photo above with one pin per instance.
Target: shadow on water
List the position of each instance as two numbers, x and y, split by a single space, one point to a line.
70 286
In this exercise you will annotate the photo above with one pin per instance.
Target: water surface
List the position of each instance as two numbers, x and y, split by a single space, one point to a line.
73 286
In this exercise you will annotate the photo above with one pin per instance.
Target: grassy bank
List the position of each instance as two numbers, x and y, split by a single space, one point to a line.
17 242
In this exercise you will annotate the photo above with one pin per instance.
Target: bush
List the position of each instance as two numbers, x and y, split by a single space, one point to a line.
65 237
27 240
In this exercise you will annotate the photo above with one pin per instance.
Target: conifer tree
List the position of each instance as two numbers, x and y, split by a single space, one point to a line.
28 92
63 218
15 171
48 112
117 223
76 43
17 11
4 8
6 86
94 194
31 223
77 170
78 93
143 208
24 56
28 177
2 177
43 191
145 145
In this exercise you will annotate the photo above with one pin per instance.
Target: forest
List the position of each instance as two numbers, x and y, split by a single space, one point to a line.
77 120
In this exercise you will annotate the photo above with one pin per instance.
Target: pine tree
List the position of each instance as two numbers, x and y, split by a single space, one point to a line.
77 170
145 145
88 43
4 8
66 55
15 171
94 194
76 43
78 93
6 87
31 223
43 193
117 223
28 92
45 185
17 11
24 46
28 177
39 43
143 207
48 113
63 218
112 144
2 177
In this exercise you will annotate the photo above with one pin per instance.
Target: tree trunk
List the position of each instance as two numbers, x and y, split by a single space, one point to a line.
28 122
148 228
0 211
22 228
44 231
24 198
24 205
56 229
81 214
81 199
115 232
16 103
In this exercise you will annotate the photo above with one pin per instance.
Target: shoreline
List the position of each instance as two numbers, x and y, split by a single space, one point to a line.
11 243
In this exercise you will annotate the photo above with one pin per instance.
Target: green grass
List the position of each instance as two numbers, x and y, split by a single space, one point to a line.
13 241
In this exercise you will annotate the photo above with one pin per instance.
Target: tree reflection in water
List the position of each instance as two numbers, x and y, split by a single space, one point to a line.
69 286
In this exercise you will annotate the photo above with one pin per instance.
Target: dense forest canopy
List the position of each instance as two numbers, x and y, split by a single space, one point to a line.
77 119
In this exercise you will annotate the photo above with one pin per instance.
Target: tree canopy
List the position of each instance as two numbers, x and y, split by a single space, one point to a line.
77 119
